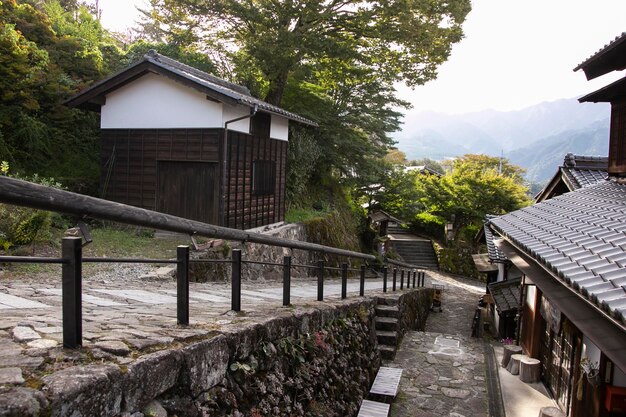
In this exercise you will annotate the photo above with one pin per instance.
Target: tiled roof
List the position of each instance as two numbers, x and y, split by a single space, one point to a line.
583 171
153 61
495 254
506 294
607 59
581 238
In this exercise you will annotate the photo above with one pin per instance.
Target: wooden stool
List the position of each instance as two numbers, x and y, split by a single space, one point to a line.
513 366
551 412
508 351
529 369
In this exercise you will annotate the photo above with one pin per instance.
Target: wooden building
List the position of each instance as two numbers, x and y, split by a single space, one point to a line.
183 142
571 249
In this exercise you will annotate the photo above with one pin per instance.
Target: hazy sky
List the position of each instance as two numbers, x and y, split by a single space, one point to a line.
516 53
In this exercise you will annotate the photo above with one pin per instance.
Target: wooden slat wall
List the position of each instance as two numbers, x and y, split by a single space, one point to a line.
617 142
135 153
244 209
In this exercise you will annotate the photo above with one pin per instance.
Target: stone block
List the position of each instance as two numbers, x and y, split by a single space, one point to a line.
81 391
21 402
11 376
205 364
149 376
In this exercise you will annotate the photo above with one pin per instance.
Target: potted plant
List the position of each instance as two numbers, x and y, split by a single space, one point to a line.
591 370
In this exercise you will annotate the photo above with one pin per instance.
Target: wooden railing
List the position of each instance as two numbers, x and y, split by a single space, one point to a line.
22 193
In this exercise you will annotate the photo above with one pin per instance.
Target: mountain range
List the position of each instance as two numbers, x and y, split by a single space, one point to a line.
536 138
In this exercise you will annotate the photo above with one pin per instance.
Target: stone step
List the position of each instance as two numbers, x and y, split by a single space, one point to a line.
383 310
386 323
388 338
387 301
387 353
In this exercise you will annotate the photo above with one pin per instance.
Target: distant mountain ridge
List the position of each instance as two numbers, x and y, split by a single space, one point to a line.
537 138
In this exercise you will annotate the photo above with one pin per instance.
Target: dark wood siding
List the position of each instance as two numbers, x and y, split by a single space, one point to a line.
129 159
617 142
244 208
188 189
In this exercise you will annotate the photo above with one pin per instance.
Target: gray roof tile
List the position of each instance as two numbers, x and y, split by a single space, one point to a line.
586 227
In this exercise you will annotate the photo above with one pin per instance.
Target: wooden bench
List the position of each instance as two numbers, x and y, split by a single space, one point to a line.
385 388
387 382
373 409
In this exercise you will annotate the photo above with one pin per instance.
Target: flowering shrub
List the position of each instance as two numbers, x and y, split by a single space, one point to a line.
507 341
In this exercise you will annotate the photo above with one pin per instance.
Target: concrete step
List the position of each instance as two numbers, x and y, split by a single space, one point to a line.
388 353
387 338
383 310
386 323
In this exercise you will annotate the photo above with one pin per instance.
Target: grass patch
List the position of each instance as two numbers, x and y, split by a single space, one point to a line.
298 215
132 243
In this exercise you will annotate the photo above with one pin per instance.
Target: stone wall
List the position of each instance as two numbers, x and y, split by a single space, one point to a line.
203 272
413 309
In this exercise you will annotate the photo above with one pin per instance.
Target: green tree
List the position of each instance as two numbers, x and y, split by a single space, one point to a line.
475 187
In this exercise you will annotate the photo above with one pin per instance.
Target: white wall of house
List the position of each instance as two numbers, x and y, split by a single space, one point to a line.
590 350
279 128
233 112
156 102
531 297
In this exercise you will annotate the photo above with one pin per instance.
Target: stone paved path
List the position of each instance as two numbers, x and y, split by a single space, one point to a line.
124 317
444 369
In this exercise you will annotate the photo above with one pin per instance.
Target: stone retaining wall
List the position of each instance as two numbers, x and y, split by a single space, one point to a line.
255 252
318 361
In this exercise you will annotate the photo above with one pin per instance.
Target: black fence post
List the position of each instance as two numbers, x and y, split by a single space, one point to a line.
320 280
182 285
287 280
344 280
236 280
384 279
414 277
362 283
423 278
395 276
71 251
402 279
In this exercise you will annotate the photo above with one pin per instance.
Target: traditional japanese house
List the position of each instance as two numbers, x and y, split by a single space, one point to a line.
181 141
577 171
572 252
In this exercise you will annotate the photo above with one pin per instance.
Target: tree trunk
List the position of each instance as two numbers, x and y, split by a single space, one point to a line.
508 351
277 88
529 370
551 412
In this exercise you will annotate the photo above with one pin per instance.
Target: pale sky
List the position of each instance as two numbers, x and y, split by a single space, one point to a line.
516 53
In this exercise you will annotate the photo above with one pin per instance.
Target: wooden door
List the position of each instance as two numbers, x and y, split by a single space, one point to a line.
188 189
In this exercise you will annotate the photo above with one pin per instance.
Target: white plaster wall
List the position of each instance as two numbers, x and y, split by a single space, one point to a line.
500 272
232 112
279 129
154 101
619 377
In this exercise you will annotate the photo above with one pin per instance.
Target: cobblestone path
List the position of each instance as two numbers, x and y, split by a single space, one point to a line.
444 369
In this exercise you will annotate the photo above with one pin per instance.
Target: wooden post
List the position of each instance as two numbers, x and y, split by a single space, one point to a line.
344 280
320 281
182 285
236 280
395 275
513 366
362 282
287 280
384 279
71 250
402 279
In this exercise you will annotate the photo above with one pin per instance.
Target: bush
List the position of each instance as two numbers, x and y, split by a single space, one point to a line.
427 224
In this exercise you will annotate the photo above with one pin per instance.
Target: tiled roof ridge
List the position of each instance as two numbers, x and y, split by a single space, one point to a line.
613 43
153 56
585 161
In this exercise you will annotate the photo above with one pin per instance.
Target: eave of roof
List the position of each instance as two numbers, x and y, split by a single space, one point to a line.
581 238
603 330
610 58
506 294
606 94
213 87
495 254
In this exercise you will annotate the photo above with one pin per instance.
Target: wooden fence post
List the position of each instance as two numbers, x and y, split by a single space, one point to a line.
71 250
182 285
